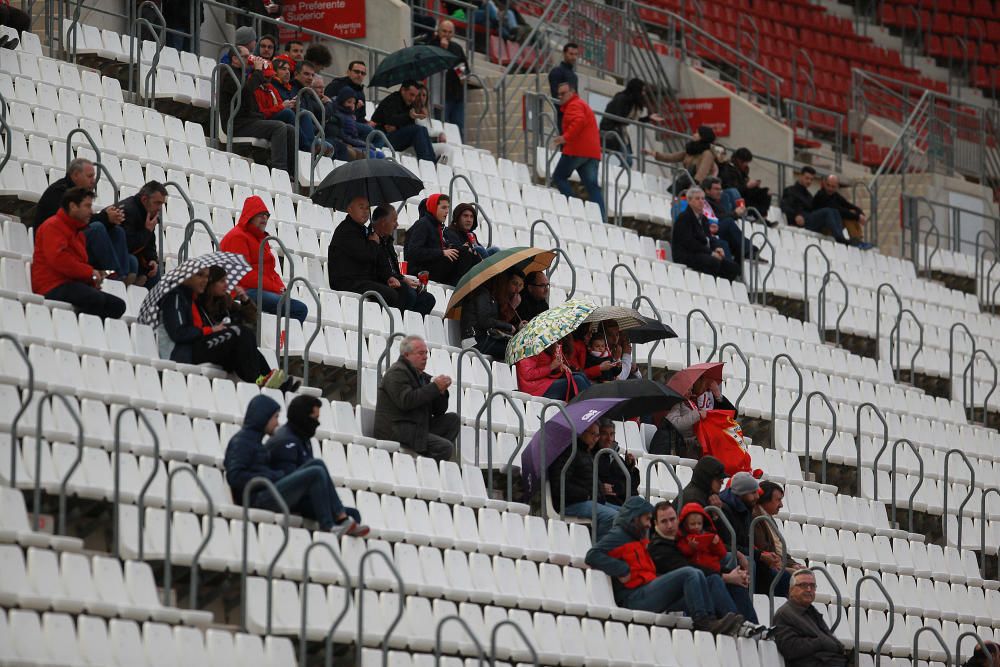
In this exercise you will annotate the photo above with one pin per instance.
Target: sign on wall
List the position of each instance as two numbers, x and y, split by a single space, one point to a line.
711 111
340 18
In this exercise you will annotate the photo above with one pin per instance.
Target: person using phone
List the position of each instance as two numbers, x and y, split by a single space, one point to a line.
140 214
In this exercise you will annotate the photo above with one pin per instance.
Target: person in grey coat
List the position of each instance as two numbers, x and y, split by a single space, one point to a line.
411 407
800 631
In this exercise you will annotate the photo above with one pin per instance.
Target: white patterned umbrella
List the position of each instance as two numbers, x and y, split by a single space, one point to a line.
234 265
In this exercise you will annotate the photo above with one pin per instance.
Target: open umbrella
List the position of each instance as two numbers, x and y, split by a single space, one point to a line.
547 328
412 62
235 266
524 259
649 331
558 436
639 397
683 380
381 181
627 318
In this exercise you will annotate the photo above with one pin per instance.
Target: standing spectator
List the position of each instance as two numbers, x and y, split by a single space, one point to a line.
564 72
735 175
462 230
397 118
352 256
245 239
482 326
269 8
797 205
411 295
267 46
296 50
630 103
59 268
107 245
454 92
548 375
307 490
412 406
249 121
427 248
141 214
534 296
706 482
802 635
691 245
622 554
728 229
581 146
852 216
580 500
12 17
770 503
613 481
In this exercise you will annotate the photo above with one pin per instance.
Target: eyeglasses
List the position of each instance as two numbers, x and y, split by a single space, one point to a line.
808 587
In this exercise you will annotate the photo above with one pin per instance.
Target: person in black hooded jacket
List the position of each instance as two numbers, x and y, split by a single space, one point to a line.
580 498
706 482
427 249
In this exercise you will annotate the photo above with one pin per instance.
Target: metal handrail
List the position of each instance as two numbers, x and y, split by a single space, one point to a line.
5 131
760 295
552 233
36 510
746 366
768 519
931 228
805 275
543 466
384 357
979 640
616 457
524 638
893 470
808 423
361 331
631 273
159 227
857 443
361 606
983 520
965 501
455 618
937 635
711 325
572 269
318 140
897 329
857 618
488 409
970 373
836 590
24 404
654 460
636 302
878 319
346 583
260 279
461 177
182 251
821 298
215 120
458 381
99 165
774 391
283 507
386 144
149 99
167 564
626 171
116 494
712 510
980 256
951 355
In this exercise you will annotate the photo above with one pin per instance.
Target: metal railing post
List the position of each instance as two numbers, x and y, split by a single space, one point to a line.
897 330
951 355
759 295
552 233
36 510
361 606
857 443
616 457
572 269
458 387
167 564
116 494
283 509
455 618
361 332
488 409
260 280
836 591
894 470
182 251
821 306
524 638
636 302
631 273
969 374
808 423
328 653
774 393
543 465
961 508
284 312
958 645
746 368
711 325
983 520
878 319
655 460
25 402
857 618
805 275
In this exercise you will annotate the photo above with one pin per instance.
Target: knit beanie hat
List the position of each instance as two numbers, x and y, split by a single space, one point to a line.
244 35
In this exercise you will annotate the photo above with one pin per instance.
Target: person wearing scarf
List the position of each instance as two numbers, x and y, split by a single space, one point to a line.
427 249
462 230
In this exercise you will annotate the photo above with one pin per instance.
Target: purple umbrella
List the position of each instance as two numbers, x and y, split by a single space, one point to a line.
558 436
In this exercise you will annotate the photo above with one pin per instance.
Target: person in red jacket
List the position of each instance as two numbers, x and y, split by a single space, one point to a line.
244 239
269 98
581 146
59 268
698 541
546 374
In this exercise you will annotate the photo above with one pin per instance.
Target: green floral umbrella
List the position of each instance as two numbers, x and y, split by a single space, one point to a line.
547 328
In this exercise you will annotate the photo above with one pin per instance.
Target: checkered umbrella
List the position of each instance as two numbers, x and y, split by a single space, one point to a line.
627 318
547 328
235 266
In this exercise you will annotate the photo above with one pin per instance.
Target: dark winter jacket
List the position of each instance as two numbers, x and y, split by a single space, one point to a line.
623 550
184 322
562 73
579 476
665 554
141 241
386 262
805 640
739 516
480 313
699 488
351 257
796 200
51 200
248 110
838 203
246 456
334 87
608 472
689 237
406 402
452 82
424 243
394 111
530 306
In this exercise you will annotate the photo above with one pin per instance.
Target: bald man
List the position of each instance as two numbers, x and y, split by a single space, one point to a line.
454 93
852 216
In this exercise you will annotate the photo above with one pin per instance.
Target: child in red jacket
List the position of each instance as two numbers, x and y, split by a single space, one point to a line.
698 541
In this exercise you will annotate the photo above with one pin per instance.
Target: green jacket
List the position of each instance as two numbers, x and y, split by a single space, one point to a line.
407 400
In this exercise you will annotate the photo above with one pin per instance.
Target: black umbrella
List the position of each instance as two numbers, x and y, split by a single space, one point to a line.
381 181
642 397
412 62
649 331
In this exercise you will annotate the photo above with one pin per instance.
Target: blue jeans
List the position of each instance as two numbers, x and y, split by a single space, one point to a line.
454 112
730 232
411 299
587 168
308 491
744 602
558 388
606 514
729 197
766 575
826 220
683 589
490 10
415 136
486 252
107 249
269 304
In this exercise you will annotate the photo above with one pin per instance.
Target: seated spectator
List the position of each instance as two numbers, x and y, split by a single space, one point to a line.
397 118
348 129
267 46
308 139
427 248
107 246
576 347
725 219
631 103
319 55
800 631
697 158
706 482
981 659
249 121
738 503
698 540
141 214
59 268
623 556
613 481
621 349
352 257
509 298
797 205
687 413
481 324
690 242
598 355
355 79
736 183
581 146
245 239
245 40
534 296
513 27
295 49
727 592
219 305
547 375
13 17
274 96
580 501
412 407
462 231
307 489
412 295
853 218
770 503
